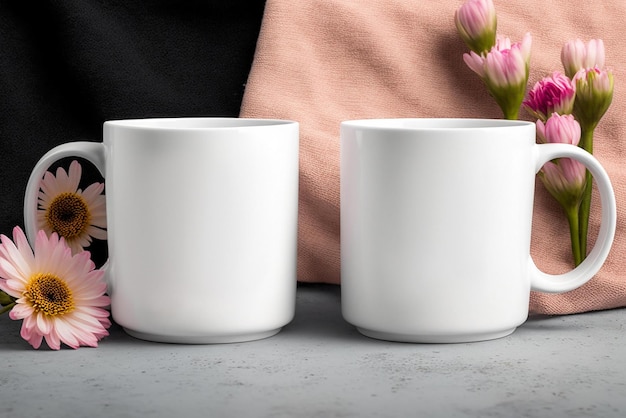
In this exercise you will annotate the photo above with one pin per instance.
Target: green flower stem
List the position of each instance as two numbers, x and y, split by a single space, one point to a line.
4 309
5 299
572 218
511 114
6 302
586 143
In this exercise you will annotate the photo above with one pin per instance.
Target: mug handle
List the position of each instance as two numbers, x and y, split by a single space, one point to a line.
559 283
91 151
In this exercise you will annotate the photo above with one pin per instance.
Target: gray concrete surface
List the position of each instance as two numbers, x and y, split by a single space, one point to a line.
320 366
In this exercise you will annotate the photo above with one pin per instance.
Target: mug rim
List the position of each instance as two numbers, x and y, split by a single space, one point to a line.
197 123
434 124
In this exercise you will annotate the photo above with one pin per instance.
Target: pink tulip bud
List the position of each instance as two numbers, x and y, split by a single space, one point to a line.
576 56
594 94
506 64
560 129
476 23
553 94
504 69
564 178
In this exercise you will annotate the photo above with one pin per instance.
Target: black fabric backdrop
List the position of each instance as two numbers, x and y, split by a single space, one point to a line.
67 66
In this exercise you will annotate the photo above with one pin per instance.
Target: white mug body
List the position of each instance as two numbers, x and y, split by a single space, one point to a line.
201 225
436 219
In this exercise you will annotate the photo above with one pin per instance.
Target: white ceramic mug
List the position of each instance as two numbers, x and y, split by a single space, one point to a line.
201 223
436 224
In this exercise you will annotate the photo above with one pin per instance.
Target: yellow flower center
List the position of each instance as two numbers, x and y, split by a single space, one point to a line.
49 294
68 215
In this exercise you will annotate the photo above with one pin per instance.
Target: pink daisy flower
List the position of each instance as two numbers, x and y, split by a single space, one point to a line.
59 296
76 215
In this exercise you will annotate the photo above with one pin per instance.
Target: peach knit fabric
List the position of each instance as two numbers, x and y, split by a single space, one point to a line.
323 61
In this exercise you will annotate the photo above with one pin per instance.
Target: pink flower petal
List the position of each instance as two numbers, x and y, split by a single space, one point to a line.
33 338
21 311
75 173
44 326
86 323
475 62
53 340
93 191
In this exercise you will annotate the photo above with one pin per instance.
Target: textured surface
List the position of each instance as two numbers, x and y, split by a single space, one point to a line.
319 366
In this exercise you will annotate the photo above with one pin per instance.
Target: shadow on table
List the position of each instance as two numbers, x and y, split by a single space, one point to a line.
318 314
580 320
10 338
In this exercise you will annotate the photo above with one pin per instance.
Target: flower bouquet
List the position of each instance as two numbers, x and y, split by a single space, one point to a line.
567 106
